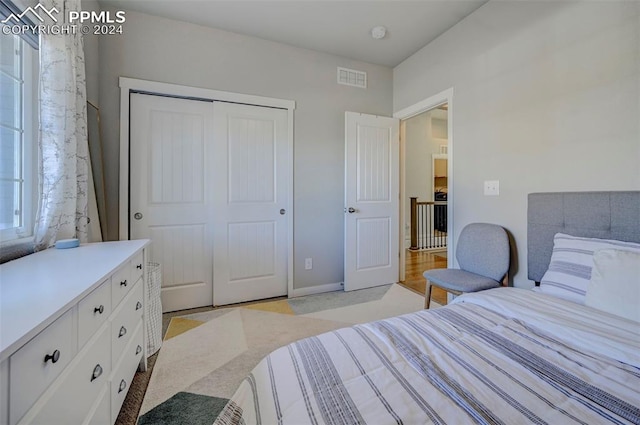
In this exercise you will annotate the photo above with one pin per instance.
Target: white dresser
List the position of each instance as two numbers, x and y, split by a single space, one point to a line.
72 333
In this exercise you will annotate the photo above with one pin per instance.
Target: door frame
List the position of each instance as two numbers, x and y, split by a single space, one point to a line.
129 86
445 96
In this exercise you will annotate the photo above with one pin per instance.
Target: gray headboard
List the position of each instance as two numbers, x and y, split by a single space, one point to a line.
605 215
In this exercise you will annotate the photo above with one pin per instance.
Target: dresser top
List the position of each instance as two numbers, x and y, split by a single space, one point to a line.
35 290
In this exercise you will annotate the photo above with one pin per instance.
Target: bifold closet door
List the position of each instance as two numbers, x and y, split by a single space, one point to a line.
171 193
251 175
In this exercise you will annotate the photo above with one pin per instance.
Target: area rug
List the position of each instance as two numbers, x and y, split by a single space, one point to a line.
205 356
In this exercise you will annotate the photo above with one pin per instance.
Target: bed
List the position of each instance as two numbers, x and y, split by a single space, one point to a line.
503 356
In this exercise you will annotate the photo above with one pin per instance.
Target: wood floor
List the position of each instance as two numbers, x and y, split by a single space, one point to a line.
417 263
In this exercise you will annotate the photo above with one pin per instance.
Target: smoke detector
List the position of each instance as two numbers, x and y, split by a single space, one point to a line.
378 32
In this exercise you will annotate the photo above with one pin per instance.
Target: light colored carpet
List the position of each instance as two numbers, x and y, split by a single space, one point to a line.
210 353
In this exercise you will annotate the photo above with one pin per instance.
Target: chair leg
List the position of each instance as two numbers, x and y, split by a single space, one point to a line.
427 295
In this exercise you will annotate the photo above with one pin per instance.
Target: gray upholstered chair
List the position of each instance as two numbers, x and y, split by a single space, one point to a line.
483 256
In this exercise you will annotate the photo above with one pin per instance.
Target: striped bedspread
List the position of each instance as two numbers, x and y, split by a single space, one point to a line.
505 356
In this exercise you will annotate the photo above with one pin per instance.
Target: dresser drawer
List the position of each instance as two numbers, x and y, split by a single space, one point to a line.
38 363
93 311
137 266
101 414
126 319
70 399
121 283
126 369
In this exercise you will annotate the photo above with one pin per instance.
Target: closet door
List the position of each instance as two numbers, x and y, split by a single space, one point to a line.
251 175
171 191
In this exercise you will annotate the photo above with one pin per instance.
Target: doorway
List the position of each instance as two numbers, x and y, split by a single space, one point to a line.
426 187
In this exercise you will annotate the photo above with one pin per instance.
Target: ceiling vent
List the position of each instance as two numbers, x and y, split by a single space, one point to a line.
351 77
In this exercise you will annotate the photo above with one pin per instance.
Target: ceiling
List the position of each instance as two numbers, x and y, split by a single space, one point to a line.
337 27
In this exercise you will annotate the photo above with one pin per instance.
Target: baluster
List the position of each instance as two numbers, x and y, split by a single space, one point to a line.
414 224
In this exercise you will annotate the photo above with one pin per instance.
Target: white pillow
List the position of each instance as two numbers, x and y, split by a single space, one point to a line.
569 270
615 283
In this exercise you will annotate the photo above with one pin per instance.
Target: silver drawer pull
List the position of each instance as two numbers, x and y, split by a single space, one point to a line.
138 349
139 267
138 305
53 357
123 283
123 332
98 309
97 371
122 386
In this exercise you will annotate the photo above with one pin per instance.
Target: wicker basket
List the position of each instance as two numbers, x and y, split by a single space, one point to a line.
154 308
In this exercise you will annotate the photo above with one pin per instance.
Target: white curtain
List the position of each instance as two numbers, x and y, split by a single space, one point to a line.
63 148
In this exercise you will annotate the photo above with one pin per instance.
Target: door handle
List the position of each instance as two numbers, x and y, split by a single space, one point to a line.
137 216
282 211
97 371
351 210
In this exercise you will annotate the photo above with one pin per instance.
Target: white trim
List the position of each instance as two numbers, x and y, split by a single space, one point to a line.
402 261
123 201
431 102
318 289
445 96
186 91
29 128
291 254
129 85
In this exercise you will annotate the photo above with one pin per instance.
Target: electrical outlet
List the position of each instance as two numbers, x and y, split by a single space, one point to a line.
492 187
308 263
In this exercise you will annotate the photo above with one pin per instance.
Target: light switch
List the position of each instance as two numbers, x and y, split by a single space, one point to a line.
308 263
492 187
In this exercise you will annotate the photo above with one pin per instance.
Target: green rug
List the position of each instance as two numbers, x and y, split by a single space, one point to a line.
185 408
206 355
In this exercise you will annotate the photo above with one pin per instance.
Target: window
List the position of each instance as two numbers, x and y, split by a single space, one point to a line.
18 136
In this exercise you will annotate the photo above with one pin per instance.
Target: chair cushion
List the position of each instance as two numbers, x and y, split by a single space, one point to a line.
460 280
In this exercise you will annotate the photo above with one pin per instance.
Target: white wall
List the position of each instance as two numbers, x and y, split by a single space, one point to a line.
170 51
546 98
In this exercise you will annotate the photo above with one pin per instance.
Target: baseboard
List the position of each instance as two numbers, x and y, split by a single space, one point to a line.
318 289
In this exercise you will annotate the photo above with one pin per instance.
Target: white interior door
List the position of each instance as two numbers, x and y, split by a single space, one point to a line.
171 195
371 201
251 174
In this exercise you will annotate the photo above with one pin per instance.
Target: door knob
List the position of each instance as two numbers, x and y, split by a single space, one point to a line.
351 210
53 357
282 211
97 371
138 216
